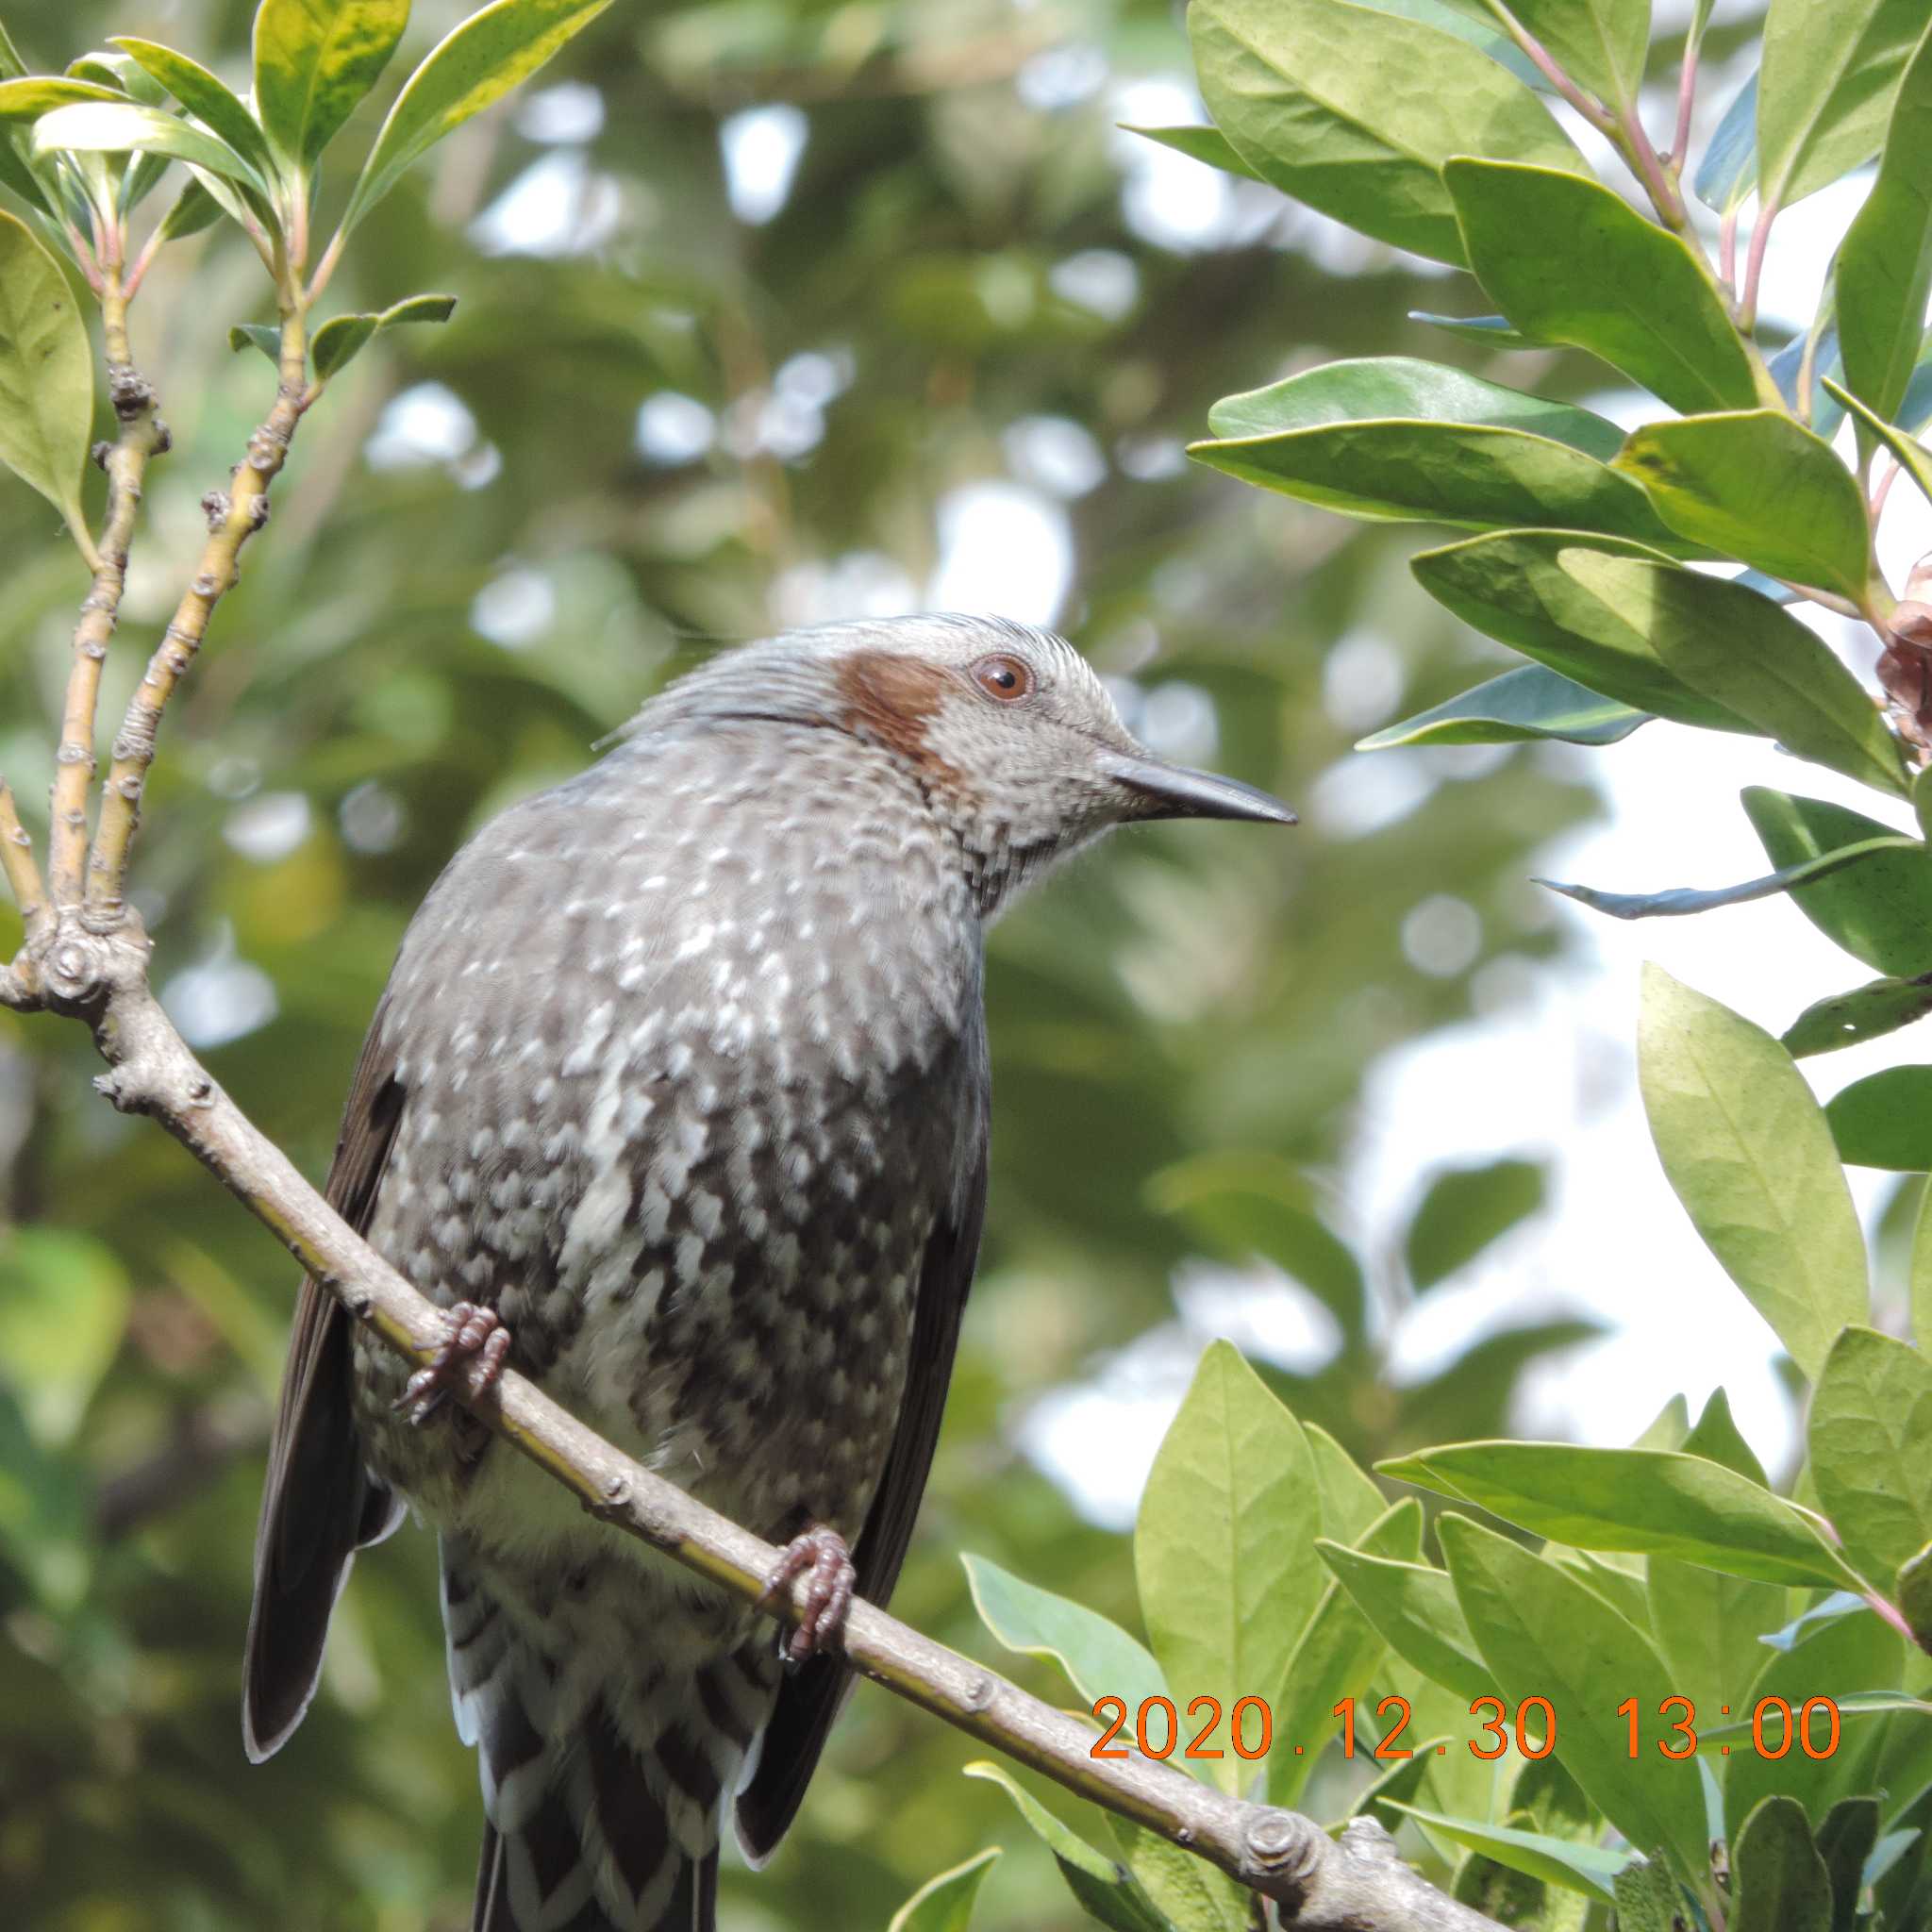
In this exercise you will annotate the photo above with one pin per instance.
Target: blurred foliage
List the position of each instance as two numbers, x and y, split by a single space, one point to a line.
475 569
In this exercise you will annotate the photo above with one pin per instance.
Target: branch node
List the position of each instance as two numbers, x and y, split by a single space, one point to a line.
130 391
979 1694
214 506
100 453
1281 1845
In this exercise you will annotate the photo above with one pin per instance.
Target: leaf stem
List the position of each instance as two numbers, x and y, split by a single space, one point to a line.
1727 251
143 434
1892 470
234 515
1657 181
1591 109
1753 265
326 266
1687 102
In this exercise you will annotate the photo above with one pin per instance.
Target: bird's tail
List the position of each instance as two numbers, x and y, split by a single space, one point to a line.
602 1789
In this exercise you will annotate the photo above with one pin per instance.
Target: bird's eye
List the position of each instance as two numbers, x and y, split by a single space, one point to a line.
1003 677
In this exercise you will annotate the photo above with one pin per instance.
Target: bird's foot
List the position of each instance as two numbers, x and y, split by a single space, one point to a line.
470 1362
820 1556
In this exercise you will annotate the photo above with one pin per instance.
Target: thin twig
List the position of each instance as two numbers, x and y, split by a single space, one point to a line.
234 516
17 863
1320 1883
143 434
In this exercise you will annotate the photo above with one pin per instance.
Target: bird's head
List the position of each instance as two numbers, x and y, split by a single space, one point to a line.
1010 735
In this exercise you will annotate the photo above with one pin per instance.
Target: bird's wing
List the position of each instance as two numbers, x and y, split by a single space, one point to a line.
810 1697
318 1506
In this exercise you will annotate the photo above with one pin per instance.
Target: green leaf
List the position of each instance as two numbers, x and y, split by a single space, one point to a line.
1464 1210
28 98
1098 1657
63 1306
1351 1501
1247 1205
123 128
1866 1012
1728 170
1354 111
1756 660
1825 89
1649 1899
1882 913
1657 1500
1414 1608
1569 261
314 60
1913 1593
1206 144
1220 1544
264 336
475 64
1191 1894
1746 1148
1398 388
1103 1889
1921 1272
47 372
1846 1840
1777 1877
1908 452
1602 44
1676 901
1395 439
194 209
1839 1659
1885 1119
945 1904
1590 1870
1543 1634
1466 475
1526 703
206 96
1335 1657
1884 262
1560 599
1871 1445
1397 1786
342 337
1716 1437
1757 486
1471 21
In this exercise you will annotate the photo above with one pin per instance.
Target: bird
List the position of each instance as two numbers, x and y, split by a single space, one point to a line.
677 1100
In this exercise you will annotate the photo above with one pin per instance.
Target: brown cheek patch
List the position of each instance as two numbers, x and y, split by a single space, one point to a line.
893 700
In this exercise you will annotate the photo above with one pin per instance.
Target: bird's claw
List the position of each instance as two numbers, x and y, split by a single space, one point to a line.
818 1555
471 1360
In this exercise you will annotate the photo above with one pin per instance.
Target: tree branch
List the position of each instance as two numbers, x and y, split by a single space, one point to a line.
1356 1883
143 434
234 515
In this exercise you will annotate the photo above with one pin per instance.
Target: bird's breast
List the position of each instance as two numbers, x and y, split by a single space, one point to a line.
687 1115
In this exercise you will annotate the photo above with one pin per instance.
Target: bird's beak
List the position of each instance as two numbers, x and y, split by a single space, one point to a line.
1172 791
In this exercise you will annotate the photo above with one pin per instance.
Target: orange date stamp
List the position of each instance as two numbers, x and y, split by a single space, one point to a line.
1158 1729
